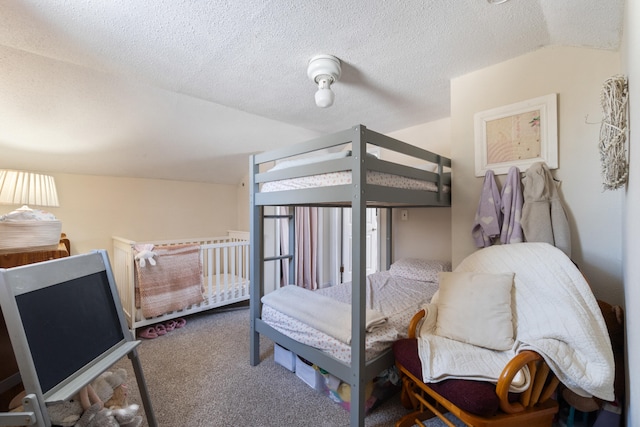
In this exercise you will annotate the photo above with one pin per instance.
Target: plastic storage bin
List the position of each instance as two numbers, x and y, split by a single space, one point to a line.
284 357
309 373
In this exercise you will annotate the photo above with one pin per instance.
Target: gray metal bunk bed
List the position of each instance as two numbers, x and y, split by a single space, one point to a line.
358 194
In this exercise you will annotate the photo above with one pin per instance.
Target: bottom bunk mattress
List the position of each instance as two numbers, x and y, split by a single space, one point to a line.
397 298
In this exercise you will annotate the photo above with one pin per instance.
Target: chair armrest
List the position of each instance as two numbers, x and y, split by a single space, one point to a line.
415 321
543 382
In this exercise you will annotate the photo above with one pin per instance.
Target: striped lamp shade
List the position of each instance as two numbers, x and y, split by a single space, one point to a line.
27 188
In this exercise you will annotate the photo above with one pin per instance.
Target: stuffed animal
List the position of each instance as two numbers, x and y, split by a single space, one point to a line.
65 413
111 388
143 253
103 403
108 384
97 416
127 417
118 399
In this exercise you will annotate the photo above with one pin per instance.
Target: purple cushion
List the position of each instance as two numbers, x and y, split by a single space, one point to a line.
476 397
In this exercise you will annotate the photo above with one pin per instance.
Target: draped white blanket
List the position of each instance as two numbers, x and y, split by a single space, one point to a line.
318 311
444 358
555 314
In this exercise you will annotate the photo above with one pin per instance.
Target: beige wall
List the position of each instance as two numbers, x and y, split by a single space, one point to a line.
427 232
243 195
631 65
595 216
94 208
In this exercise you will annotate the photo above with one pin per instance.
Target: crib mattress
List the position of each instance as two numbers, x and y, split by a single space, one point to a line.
395 297
344 178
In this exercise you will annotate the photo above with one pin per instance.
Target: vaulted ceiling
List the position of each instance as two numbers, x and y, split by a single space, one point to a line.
186 90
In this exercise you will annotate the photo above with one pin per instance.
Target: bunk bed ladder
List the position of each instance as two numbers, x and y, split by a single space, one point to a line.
256 219
290 217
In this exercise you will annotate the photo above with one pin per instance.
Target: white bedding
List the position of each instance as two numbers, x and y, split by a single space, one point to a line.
321 312
344 178
396 298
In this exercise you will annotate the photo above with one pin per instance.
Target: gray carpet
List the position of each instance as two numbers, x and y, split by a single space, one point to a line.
200 375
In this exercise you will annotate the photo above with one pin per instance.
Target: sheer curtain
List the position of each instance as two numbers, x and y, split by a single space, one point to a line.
284 245
306 247
306 251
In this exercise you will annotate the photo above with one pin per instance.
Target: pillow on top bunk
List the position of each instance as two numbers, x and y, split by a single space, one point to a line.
309 160
475 308
429 167
419 269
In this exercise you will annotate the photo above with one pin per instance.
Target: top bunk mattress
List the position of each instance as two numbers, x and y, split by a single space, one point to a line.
345 177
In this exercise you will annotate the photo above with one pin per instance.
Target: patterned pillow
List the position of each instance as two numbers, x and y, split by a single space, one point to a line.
419 269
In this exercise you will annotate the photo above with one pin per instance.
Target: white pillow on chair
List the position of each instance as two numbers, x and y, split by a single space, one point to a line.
475 308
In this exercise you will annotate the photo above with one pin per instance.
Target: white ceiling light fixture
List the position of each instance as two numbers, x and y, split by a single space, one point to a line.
324 70
497 1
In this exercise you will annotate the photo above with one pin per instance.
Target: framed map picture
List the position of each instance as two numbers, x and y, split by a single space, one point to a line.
517 135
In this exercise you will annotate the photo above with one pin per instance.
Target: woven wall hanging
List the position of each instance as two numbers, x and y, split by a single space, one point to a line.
613 133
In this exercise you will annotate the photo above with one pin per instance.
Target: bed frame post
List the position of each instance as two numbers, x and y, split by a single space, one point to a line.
292 244
359 277
257 267
389 238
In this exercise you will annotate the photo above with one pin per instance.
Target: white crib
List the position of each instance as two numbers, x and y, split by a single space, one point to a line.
225 269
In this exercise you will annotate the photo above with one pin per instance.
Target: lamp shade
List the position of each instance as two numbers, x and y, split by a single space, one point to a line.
26 188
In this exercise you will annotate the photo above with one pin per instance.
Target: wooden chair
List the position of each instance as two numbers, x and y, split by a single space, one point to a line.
534 407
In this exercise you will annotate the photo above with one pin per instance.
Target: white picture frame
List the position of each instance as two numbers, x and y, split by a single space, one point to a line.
519 134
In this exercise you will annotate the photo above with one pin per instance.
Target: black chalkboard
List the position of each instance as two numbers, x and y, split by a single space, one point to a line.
69 325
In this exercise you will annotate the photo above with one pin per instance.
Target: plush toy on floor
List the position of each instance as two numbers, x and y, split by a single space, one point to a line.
98 416
65 413
103 403
110 387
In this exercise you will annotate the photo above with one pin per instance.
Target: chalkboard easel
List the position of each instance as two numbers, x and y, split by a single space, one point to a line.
66 326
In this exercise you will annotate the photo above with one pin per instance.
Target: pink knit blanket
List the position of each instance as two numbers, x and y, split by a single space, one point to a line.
174 283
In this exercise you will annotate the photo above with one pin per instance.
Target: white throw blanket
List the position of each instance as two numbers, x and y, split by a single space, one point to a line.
318 311
555 314
443 358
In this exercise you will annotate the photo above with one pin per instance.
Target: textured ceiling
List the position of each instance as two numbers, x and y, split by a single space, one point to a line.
185 90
